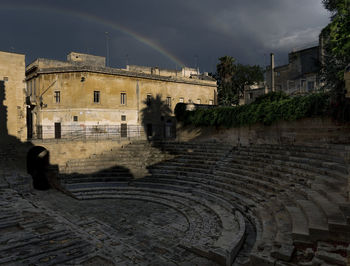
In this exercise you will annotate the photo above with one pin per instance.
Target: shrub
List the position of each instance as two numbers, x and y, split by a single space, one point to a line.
266 109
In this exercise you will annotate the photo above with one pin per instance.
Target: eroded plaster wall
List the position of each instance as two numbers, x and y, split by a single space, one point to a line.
309 131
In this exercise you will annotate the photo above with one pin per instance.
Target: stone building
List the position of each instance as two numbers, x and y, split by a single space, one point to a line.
300 75
251 92
12 96
81 96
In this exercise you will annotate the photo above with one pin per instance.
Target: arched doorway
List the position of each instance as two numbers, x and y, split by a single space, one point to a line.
37 166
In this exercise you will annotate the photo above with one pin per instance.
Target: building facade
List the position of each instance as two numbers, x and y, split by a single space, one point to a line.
82 97
12 96
251 92
300 75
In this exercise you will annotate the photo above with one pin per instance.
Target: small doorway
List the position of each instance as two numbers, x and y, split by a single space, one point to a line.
124 130
57 130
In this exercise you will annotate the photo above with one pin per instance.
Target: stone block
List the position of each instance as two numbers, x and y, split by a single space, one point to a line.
283 252
333 258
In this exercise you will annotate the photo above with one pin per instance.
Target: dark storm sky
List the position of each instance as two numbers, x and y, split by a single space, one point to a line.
163 33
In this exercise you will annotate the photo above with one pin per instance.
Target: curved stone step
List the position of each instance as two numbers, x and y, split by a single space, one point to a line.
302 162
300 229
223 250
320 153
223 199
206 184
263 188
303 170
317 221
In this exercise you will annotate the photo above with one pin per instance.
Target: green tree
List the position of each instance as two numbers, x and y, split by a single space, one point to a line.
224 72
233 77
336 38
246 75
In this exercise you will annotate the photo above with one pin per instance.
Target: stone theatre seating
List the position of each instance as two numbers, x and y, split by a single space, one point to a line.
255 203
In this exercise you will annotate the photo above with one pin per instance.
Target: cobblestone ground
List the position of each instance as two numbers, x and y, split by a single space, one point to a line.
50 228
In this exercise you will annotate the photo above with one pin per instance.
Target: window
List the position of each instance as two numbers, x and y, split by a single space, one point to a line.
123 98
75 118
181 100
210 102
96 96
168 101
148 99
123 117
310 85
6 79
250 95
198 101
57 96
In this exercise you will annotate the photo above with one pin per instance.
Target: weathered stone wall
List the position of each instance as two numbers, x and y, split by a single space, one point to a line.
304 131
13 111
47 63
62 151
86 59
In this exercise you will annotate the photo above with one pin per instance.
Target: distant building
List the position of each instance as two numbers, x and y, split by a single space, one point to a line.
12 96
81 96
300 75
251 92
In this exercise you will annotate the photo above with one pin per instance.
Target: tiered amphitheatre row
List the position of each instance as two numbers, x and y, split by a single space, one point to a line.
293 196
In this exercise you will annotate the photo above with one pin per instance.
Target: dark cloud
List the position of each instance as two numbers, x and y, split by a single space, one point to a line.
194 32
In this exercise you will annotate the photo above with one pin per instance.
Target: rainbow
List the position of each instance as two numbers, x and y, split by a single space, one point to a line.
101 21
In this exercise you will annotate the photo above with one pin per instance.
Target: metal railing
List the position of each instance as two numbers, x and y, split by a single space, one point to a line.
101 132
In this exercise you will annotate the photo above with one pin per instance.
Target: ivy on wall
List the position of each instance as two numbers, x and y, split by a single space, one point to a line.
266 109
